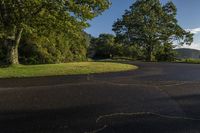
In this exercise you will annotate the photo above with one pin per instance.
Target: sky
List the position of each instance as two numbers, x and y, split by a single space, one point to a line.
188 17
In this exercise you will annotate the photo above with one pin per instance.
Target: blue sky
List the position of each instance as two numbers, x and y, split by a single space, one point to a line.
188 17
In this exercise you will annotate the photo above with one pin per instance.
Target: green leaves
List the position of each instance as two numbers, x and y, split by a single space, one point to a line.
150 24
46 15
42 17
87 9
103 46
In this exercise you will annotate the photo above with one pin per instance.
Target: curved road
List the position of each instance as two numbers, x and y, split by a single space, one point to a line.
158 97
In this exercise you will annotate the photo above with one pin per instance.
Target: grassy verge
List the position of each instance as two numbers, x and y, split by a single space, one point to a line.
63 69
192 61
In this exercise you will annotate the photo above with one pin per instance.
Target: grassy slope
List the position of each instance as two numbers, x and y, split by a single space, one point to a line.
63 69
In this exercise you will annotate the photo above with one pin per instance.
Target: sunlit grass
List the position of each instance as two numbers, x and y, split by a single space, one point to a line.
63 69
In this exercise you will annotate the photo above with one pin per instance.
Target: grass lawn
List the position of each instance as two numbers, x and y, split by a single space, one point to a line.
192 61
63 69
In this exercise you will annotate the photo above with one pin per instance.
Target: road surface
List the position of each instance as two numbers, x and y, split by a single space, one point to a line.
158 97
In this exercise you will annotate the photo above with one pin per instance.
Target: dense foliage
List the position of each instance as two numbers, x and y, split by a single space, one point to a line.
102 47
54 48
105 46
153 27
41 17
48 31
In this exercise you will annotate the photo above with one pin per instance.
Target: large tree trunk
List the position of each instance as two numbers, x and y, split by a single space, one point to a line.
149 56
13 56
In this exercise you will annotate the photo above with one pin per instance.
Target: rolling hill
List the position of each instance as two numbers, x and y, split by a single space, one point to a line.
185 53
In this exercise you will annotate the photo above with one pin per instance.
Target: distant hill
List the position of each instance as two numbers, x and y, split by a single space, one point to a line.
184 53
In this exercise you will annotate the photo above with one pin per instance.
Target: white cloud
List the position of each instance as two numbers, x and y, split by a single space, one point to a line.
196 43
194 31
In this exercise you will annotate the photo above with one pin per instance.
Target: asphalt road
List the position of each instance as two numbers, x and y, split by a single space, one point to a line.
156 98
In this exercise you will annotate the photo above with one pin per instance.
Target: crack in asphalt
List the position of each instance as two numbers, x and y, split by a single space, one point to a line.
149 84
172 99
158 79
142 114
98 130
156 85
91 82
137 114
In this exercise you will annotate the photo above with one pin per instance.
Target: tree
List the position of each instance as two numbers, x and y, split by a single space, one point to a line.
149 24
42 17
166 53
54 48
103 46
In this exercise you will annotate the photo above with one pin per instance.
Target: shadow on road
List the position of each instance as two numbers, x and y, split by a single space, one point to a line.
83 120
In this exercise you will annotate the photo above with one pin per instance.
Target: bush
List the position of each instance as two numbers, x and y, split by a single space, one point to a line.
102 47
165 53
189 60
56 48
105 47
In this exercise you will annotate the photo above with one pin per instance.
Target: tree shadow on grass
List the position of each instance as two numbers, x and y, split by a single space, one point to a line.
3 65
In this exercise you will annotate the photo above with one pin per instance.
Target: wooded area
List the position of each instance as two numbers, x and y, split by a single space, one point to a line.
48 31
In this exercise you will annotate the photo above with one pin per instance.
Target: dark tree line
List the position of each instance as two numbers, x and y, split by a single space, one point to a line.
49 31
153 27
45 19
105 46
149 29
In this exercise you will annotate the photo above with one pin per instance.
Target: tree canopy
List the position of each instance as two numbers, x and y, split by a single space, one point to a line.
43 16
150 24
103 46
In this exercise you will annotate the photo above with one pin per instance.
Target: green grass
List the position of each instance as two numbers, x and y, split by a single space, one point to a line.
192 61
63 69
